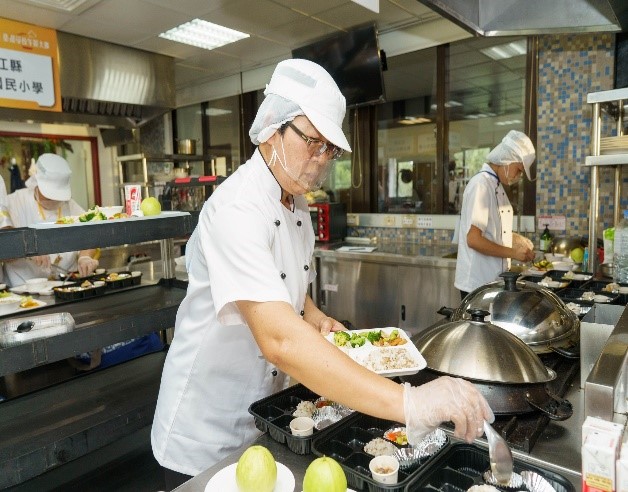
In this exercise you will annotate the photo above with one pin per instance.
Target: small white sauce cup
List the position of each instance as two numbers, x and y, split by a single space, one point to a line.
302 426
385 469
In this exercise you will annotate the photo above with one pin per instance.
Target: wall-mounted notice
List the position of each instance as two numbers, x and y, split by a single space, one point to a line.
554 222
29 67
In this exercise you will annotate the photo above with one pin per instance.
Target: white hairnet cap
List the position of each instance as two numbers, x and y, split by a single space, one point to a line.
515 147
53 177
301 87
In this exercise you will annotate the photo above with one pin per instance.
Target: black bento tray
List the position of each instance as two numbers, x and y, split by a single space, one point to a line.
274 413
123 282
460 466
537 280
62 294
345 443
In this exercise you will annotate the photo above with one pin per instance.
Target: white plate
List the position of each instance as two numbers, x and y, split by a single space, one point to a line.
52 225
18 309
225 480
43 289
368 352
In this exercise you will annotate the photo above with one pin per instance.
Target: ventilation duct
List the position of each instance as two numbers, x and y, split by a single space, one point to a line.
516 17
112 81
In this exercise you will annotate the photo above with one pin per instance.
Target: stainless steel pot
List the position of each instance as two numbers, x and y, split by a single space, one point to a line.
186 146
534 314
505 370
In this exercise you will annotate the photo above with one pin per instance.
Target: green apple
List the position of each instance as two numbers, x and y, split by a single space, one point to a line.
577 255
150 206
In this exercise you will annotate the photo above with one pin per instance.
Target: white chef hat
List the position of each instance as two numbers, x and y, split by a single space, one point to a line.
301 87
515 147
52 176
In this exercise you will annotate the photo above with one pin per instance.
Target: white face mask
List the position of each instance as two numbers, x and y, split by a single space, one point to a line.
309 173
514 179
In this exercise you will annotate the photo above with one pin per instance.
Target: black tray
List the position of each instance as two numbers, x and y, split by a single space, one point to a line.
537 279
274 413
575 295
62 294
346 444
559 275
460 466
122 282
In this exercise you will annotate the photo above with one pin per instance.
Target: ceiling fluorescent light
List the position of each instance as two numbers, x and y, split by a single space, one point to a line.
203 34
508 50
64 5
372 5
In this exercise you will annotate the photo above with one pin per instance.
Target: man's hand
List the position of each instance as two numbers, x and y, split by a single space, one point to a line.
327 325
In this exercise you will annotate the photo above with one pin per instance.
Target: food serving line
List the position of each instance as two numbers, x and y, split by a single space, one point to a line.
555 447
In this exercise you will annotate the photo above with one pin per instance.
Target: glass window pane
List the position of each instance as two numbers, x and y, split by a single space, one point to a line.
224 134
486 99
407 176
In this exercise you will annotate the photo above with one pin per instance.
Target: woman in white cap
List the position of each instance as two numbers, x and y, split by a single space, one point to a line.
486 240
247 321
47 198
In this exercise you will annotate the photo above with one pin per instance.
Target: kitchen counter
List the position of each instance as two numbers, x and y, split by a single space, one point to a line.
396 252
557 449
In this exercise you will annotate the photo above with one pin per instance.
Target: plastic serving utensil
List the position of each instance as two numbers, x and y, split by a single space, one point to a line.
499 454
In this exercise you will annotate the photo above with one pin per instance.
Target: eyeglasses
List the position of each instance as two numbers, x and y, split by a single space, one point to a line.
317 146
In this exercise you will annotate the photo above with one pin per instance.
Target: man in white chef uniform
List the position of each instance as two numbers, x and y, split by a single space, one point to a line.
487 242
5 218
247 321
47 198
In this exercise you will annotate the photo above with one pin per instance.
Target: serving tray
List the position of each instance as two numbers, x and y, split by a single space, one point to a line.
378 358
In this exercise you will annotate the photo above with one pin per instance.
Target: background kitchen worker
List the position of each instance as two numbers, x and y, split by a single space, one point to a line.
47 199
247 322
5 219
486 241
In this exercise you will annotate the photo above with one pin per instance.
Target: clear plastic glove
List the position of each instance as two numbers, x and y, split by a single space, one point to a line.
87 265
442 400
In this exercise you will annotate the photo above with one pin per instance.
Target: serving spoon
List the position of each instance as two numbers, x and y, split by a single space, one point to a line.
499 454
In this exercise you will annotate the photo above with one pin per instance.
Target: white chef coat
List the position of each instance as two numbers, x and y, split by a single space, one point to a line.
24 211
486 206
246 246
5 220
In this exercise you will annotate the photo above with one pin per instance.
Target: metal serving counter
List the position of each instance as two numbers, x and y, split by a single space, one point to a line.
397 284
557 449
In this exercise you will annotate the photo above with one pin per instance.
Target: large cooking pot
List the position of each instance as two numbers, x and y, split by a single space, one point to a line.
505 370
186 146
533 313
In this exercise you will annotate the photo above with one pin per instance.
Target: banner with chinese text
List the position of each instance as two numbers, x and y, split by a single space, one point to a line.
29 67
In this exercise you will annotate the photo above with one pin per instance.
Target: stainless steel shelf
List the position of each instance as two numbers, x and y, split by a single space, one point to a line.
100 321
46 429
21 242
606 160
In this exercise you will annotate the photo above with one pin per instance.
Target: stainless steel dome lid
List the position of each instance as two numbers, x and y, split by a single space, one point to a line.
533 313
479 350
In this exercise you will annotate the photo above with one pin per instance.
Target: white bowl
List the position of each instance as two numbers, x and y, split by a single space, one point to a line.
9 304
111 211
384 469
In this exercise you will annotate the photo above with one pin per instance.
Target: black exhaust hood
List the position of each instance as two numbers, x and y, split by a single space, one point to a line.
516 17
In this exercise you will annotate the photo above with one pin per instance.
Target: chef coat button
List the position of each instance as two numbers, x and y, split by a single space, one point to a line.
306 267
299 223
277 222
302 313
274 372
283 275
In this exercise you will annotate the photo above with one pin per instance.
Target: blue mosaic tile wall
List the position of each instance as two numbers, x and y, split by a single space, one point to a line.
570 66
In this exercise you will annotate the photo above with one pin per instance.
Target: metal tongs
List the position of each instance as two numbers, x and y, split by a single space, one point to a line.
63 273
499 454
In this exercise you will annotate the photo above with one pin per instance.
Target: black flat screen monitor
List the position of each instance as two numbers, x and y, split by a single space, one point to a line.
353 60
